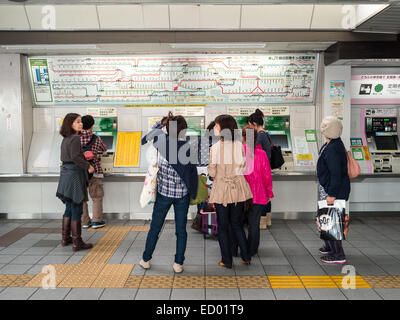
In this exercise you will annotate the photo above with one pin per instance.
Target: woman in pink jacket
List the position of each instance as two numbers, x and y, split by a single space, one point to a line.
258 175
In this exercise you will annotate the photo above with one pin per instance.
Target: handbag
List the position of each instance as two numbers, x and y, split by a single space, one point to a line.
277 160
202 191
332 220
353 167
148 194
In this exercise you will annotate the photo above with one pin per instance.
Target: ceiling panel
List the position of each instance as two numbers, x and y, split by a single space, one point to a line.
156 16
327 17
121 17
219 17
388 20
13 18
276 16
66 17
184 16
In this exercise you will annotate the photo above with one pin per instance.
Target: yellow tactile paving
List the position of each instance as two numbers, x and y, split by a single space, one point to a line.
382 281
22 280
133 282
61 272
314 282
285 282
221 282
185 282
7 279
157 282
253 282
140 228
77 281
113 276
359 281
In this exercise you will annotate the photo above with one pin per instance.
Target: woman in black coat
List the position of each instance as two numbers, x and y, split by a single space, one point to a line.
334 182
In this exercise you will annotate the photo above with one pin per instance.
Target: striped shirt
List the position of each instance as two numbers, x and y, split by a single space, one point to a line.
169 184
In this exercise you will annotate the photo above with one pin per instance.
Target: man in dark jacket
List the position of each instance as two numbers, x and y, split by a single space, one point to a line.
334 181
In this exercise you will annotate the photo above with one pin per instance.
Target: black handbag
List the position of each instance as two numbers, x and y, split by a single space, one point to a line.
277 160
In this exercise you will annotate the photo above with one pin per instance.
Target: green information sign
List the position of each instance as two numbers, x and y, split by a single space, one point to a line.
40 80
310 136
358 154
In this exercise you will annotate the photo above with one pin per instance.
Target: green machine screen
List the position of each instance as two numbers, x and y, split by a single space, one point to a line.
195 126
106 129
278 128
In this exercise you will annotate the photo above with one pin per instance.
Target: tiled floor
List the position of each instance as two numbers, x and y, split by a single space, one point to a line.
287 265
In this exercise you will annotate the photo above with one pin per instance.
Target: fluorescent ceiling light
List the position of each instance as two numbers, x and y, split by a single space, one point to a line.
50 47
239 45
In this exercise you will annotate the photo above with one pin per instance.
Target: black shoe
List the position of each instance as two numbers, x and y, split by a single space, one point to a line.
332 260
324 251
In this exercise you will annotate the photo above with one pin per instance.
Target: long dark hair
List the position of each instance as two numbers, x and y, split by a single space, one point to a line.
66 127
246 135
226 121
180 122
256 117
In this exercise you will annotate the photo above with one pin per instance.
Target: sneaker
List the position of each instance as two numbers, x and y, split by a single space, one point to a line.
178 268
87 226
323 251
332 260
145 264
96 225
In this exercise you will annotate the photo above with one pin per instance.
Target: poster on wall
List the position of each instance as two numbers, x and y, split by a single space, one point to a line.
175 79
40 80
375 89
336 98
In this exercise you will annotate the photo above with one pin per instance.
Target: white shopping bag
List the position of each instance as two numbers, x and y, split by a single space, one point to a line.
148 195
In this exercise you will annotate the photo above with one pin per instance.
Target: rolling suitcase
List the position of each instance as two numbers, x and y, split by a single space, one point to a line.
209 220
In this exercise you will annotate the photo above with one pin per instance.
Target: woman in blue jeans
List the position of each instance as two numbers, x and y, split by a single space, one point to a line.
176 183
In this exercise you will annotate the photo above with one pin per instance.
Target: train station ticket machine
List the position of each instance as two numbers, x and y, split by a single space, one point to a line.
383 143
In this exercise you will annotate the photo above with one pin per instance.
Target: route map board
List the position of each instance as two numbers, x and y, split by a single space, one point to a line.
174 79
128 149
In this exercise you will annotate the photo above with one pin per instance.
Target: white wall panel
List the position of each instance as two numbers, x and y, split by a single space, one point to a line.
50 203
120 17
219 17
156 16
20 197
184 16
13 18
68 17
116 197
327 17
294 196
276 16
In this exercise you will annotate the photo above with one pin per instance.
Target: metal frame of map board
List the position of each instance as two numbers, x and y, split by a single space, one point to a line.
310 99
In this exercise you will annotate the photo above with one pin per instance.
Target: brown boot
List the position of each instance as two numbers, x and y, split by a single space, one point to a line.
263 223
66 232
269 223
77 242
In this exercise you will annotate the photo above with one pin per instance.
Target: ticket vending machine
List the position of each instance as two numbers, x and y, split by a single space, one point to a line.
106 129
278 128
383 143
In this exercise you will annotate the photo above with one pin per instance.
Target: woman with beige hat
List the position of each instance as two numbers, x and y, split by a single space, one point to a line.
334 182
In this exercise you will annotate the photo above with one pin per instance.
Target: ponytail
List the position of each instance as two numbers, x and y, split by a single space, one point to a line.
256 117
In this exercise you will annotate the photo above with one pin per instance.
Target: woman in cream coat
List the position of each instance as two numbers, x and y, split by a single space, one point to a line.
230 189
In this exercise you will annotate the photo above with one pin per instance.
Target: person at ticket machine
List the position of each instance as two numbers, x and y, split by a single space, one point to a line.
92 145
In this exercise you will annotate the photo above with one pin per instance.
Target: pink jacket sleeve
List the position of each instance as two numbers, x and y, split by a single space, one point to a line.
267 176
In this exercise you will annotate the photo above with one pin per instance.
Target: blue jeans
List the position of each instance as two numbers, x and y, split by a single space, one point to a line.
160 210
73 211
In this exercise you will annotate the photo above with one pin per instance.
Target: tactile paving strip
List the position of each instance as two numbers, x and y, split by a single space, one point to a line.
157 282
314 282
140 228
285 282
77 281
22 280
7 279
113 276
221 282
386 282
185 282
254 282
133 282
61 272
359 281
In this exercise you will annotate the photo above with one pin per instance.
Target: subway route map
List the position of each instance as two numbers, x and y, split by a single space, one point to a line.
209 79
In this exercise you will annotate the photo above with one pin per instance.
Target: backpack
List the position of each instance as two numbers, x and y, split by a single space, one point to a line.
277 160
353 167
87 148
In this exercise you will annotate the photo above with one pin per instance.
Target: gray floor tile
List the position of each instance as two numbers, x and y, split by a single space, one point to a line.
119 294
309 270
370 270
12 251
153 294
160 270
257 294
7 258
216 270
266 260
393 270
84 294
15 268
25 259
192 270
249 270
291 294
326 294
39 251
131 259
13 293
283 270
50 294
47 243
76 260
389 294
195 260
138 270
54 259
361 294
37 268
222 294
305 260
188 294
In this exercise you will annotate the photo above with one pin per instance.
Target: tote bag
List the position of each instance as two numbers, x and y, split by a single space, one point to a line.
353 167
149 191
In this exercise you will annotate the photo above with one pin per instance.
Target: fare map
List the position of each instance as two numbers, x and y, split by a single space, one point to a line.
174 79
